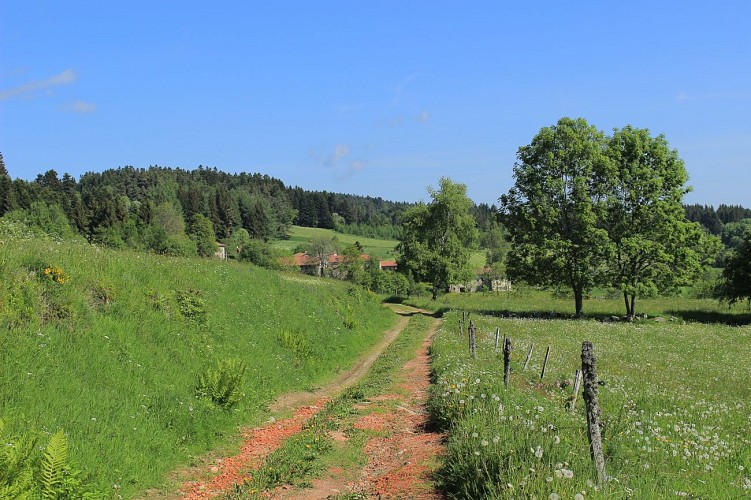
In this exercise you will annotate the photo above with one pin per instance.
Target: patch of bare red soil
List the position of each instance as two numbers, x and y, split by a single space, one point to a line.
257 444
402 461
401 464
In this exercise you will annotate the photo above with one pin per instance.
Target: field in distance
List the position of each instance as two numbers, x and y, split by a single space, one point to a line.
380 248
383 249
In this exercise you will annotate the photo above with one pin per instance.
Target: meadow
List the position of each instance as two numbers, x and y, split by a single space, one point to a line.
676 400
124 351
379 248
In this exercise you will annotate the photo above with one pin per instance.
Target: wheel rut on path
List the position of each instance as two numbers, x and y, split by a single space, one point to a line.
216 476
402 451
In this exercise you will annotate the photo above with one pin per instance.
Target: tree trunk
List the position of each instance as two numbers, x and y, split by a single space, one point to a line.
435 292
625 299
579 298
633 306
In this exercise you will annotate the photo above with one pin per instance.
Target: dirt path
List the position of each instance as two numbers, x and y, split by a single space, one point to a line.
349 378
213 476
401 450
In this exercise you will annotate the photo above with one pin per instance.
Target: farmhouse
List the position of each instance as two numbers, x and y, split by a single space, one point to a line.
387 265
311 264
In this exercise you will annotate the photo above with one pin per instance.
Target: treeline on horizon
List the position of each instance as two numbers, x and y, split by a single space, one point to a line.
157 207
162 209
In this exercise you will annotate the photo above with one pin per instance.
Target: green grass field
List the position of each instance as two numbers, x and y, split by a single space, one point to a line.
676 401
109 346
382 249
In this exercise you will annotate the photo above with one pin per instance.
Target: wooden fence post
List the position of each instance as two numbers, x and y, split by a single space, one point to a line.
497 333
593 409
529 356
577 383
506 361
461 328
472 349
545 363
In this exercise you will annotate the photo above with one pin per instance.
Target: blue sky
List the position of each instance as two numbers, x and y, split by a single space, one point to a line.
379 98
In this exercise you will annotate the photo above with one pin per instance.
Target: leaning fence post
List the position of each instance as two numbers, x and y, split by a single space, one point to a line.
497 333
577 382
593 409
529 355
506 361
472 350
545 363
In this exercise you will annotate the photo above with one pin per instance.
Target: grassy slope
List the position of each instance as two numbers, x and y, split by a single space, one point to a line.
120 378
676 404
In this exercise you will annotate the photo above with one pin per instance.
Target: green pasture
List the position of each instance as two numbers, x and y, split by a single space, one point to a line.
676 400
109 345
528 302
382 249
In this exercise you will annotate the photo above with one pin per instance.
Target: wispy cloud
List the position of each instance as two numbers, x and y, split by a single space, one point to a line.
346 110
687 96
66 77
351 169
341 151
339 161
400 89
423 116
80 107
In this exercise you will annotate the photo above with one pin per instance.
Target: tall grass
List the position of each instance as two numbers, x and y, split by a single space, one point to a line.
113 354
676 407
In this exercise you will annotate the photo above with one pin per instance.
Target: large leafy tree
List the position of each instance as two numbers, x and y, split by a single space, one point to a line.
655 246
438 237
736 277
552 211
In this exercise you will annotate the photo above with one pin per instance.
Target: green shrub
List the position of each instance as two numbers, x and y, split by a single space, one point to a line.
223 383
191 305
19 298
295 341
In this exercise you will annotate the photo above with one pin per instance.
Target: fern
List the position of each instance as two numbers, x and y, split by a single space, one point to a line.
222 384
16 472
25 475
54 465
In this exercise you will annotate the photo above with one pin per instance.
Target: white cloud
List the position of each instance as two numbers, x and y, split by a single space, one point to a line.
423 116
64 78
341 151
80 107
